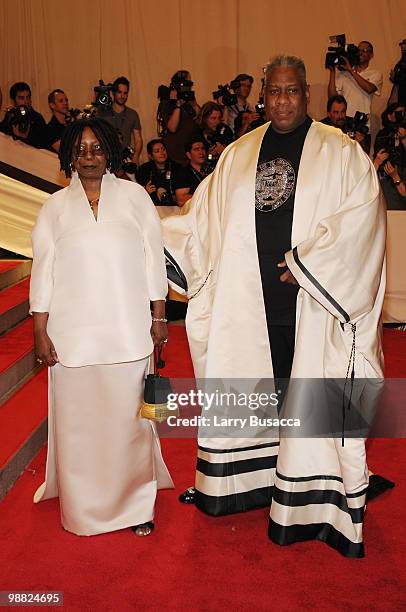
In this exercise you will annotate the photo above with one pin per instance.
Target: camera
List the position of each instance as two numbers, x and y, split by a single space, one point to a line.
19 116
72 115
103 101
163 196
340 50
391 141
358 123
220 135
181 84
224 92
127 165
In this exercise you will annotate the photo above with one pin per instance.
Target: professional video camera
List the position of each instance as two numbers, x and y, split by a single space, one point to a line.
181 84
18 116
340 50
103 101
225 92
358 123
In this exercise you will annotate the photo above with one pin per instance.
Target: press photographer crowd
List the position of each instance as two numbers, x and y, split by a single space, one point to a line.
191 137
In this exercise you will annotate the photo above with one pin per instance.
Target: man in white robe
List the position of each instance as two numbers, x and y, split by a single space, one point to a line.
336 261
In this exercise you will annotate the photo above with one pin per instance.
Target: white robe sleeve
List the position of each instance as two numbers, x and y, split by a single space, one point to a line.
341 264
43 247
154 250
192 239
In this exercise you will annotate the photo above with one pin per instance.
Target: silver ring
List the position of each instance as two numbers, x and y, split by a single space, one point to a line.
166 340
39 360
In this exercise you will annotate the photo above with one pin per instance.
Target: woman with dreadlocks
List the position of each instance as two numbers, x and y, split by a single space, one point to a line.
98 263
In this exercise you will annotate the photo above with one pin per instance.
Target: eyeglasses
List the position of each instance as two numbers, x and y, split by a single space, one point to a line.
94 149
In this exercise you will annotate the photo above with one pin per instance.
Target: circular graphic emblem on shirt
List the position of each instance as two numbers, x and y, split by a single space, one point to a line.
274 184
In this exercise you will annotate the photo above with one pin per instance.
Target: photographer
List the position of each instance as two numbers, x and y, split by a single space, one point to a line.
216 134
391 167
125 119
22 121
398 78
162 178
195 171
176 114
356 127
242 85
357 83
390 124
59 104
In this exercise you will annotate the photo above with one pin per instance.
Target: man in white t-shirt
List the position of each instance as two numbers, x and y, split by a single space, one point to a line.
357 83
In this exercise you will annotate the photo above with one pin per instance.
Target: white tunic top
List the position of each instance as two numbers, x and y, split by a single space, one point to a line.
96 278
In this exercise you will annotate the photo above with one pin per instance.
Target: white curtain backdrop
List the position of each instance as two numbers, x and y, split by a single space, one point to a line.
72 45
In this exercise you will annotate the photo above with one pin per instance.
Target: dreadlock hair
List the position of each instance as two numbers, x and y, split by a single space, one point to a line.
105 134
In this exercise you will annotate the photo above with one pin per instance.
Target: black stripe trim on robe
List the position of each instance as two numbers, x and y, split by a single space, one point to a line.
236 450
174 272
329 496
236 502
309 478
284 536
319 287
232 468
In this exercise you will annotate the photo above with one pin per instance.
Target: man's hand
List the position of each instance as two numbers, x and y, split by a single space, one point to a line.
346 65
287 276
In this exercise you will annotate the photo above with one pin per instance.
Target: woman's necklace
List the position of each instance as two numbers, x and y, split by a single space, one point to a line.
94 202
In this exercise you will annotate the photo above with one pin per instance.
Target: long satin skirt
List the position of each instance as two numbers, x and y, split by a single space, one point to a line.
104 461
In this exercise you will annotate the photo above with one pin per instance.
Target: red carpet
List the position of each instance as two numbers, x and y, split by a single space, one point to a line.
209 564
15 344
14 295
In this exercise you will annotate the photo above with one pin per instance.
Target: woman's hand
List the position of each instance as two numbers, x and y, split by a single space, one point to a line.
391 171
150 187
218 148
159 333
44 349
380 157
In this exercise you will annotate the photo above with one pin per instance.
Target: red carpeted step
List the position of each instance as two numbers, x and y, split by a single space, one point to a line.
21 415
12 271
14 304
15 344
8 264
13 296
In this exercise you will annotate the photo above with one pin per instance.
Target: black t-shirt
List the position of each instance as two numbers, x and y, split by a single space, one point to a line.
54 130
191 178
169 179
277 170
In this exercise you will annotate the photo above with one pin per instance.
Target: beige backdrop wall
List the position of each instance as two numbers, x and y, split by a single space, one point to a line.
72 45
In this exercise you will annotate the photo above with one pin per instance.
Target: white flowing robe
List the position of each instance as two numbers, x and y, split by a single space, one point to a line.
338 240
96 280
